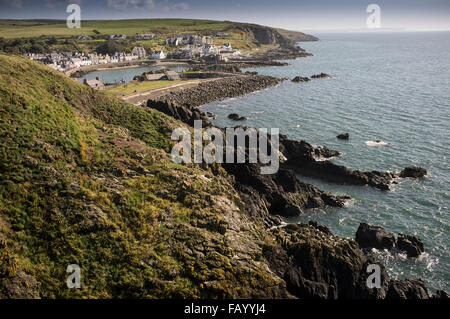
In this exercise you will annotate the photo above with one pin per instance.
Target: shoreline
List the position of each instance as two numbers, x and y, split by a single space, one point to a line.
121 65
276 192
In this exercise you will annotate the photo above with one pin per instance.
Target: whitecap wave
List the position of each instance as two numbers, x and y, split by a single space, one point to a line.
377 143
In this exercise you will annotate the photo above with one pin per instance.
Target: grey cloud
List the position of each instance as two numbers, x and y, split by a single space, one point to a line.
11 3
125 4
164 5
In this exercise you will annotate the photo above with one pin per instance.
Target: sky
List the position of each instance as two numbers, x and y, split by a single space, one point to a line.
300 15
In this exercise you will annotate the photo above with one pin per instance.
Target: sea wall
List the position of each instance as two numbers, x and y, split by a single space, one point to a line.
217 90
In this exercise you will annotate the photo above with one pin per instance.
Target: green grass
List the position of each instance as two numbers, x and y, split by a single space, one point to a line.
139 87
87 179
27 29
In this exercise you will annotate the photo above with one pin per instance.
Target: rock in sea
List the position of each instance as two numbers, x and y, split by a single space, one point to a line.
413 172
298 79
343 136
411 244
369 236
321 76
237 117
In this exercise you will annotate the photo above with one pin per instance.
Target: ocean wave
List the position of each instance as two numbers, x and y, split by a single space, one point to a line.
377 143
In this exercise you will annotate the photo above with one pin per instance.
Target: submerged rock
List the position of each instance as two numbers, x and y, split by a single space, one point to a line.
369 236
343 136
411 244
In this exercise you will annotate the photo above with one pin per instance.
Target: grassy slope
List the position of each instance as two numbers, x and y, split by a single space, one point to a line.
85 179
139 87
16 29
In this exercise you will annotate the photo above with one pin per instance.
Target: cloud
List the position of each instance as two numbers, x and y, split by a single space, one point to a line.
55 3
17 4
179 6
164 5
135 4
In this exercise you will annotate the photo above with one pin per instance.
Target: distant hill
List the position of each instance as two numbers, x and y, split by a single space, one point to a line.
297 36
47 28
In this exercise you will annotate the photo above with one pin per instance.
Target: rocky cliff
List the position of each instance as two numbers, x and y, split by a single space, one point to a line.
87 179
267 35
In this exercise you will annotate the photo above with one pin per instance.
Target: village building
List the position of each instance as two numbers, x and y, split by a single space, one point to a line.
222 34
210 49
172 75
226 47
155 77
139 52
116 37
166 76
95 84
174 41
146 36
84 38
207 40
158 55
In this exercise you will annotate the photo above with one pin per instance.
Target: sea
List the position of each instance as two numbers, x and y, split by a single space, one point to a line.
392 87
123 74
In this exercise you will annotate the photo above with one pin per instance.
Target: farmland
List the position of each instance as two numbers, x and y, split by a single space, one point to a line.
47 28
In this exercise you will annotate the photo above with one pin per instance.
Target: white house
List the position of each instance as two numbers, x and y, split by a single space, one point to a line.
146 36
75 62
226 47
158 55
207 40
210 49
174 41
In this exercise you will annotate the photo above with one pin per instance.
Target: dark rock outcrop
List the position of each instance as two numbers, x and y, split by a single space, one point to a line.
374 237
413 172
264 35
237 117
441 294
278 194
301 79
321 76
318 265
322 228
407 289
411 244
180 112
343 136
312 161
368 236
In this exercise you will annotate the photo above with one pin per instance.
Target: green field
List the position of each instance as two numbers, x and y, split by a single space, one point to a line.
139 87
46 28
